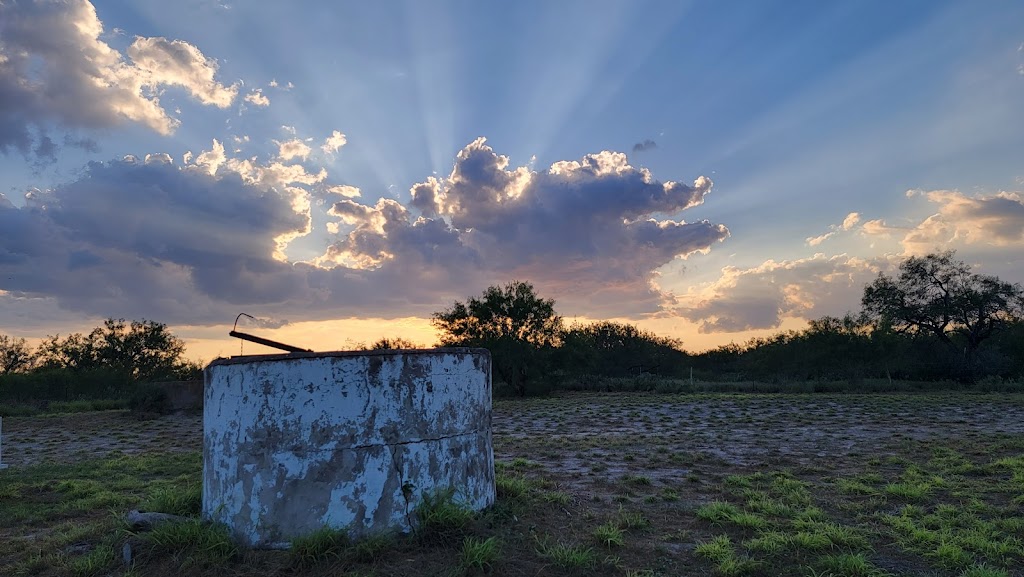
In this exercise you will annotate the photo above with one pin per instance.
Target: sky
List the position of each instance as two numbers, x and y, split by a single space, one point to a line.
709 171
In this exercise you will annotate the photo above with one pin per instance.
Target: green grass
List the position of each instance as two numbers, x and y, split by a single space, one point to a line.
983 571
511 487
440 517
717 549
568 556
94 562
479 554
198 543
769 543
610 535
178 499
62 407
318 546
849 565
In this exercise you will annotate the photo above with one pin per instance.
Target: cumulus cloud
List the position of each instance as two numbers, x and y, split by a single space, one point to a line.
878 227
994 220
577 224
293 148
149 239
256 98
344 190
195 242
851 220
848 223
760 297
334 142
163 62
816 240
646 145
57 74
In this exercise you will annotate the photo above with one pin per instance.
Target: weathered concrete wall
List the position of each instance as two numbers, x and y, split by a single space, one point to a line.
349 440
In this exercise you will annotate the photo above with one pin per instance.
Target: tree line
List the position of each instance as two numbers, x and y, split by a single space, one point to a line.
105 363
929 322
934 320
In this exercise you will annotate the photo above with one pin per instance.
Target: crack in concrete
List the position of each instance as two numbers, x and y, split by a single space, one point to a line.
410 442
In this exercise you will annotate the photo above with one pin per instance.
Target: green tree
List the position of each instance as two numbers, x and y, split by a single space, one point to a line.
141 350
392 344
15 355
614 349
938 295
520 329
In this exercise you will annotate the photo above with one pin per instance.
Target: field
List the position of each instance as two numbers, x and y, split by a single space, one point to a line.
589 484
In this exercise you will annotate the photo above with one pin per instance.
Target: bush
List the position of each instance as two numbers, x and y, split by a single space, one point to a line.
64 385
149 400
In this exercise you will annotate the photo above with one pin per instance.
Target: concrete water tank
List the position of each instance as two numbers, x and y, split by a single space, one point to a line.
350 440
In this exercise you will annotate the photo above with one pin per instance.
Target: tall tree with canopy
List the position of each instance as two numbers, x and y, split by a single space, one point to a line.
938 295
518 327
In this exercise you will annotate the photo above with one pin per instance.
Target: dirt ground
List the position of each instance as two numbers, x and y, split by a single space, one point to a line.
750 430
569 434
80 436
596 457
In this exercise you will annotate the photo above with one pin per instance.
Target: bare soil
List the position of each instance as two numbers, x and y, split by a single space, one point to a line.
741 431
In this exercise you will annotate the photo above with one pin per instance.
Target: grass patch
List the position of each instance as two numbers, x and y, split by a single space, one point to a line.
195 542
318 546
850 565
610 535
479 554
440 517
184 500
568 556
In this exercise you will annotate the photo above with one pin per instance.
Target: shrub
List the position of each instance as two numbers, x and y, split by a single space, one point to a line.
149 399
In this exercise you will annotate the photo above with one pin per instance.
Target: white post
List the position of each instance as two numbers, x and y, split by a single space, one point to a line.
2 465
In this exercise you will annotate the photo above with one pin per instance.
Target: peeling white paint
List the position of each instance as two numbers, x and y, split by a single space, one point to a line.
296 442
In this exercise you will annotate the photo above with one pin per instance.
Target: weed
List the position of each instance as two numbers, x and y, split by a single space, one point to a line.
511 487
631 519
908 491
318 546
737 566
440 516
556 497
202 543
850 565
610 535
185 501
568 556
479 554
717 511
952 555
768 542
717 549
93 562
983 571
853 487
